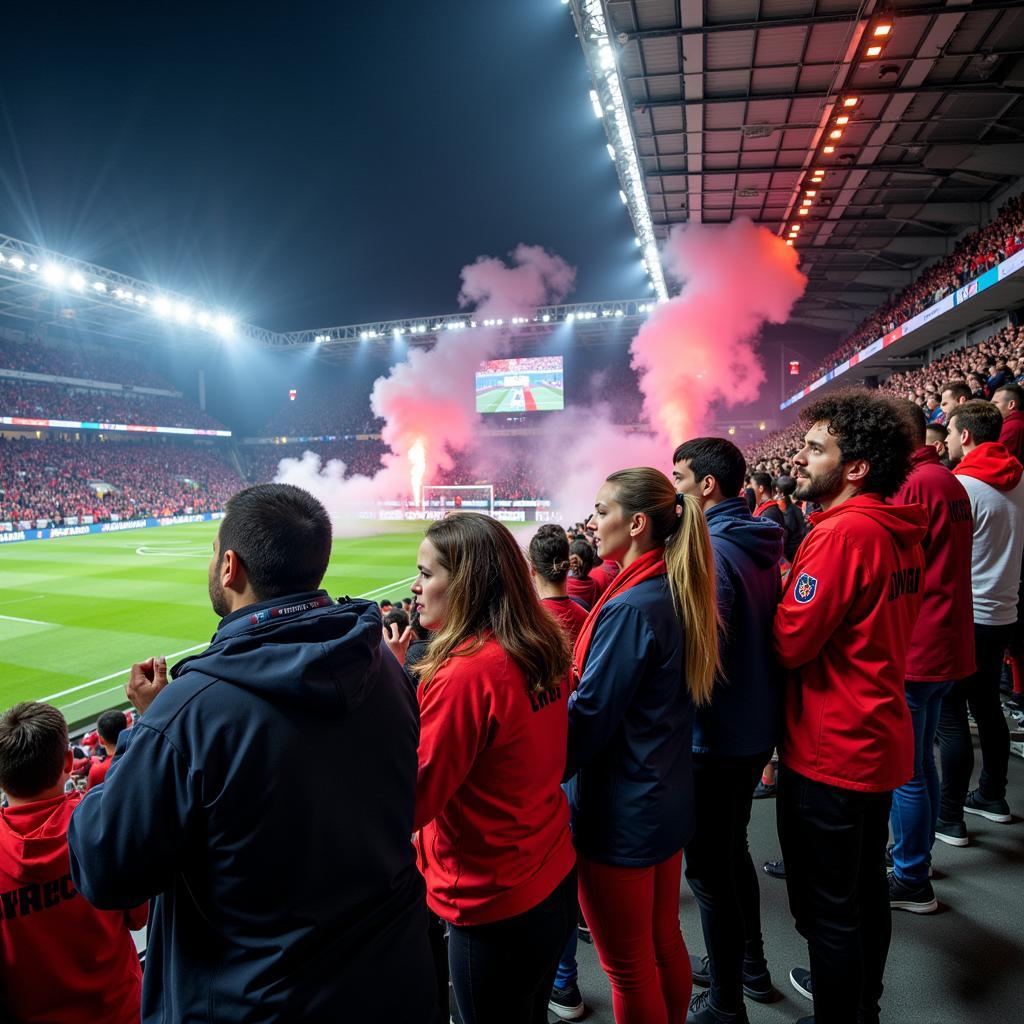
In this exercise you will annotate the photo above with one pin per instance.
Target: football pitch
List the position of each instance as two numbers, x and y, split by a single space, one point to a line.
77 611
536 399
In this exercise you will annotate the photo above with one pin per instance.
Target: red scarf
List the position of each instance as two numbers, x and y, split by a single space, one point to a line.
647 567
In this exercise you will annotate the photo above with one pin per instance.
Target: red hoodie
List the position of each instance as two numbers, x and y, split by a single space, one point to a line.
1011 434
942 644
495 824
62 960
842 630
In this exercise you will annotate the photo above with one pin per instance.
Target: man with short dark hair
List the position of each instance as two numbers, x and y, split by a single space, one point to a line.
953 394
941 653
842 630
1009 400
734 736
935 437
61 960
109 726
279 892
992 478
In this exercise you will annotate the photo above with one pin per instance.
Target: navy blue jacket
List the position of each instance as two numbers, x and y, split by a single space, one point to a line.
630 732
265 799
744 715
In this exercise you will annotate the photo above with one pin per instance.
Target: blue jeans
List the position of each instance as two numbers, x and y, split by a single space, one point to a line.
915 805
567 971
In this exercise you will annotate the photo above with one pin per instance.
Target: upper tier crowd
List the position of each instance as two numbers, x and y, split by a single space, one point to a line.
53 480
70 360
971 257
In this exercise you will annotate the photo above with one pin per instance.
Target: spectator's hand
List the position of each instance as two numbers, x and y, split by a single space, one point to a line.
147 679
398 644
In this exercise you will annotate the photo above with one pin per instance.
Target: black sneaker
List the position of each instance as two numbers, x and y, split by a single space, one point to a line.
763 790
918 899
583 932
567 1003
775 868
952 832
757 981
994 810
703 1012
800 979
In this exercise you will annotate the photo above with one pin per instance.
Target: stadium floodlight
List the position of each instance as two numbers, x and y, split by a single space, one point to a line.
843 119
850 102
611 150
570 317
182 312
33 267
363 335
140 299
546 317
622 196
162 306
224 325
836 133
99 286
203 319
828 150
396 333
802 212
17 262
873 51
595 101
882 29
619 312
77 282
52 275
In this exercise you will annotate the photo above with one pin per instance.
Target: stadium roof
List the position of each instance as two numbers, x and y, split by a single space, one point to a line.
732 103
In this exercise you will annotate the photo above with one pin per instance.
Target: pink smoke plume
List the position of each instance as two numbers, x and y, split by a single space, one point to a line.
694 351
700 347
429 398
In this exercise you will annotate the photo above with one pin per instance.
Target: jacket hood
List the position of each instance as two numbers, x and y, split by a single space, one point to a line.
33 839
923 455
991 463
315 652
908 524
760 538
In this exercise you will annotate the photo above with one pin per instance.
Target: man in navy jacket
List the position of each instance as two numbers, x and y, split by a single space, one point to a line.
264 800
734 736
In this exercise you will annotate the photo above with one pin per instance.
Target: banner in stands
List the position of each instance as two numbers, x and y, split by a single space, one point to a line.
957 298
134 428
12 536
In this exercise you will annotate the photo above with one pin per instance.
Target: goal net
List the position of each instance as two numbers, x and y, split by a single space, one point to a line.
439 501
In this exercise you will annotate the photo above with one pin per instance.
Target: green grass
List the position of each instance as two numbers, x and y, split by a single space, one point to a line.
76 612
547 398
492 400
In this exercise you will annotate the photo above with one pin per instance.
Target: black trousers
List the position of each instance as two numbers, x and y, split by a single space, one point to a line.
980 693
833 841
721 873
502 973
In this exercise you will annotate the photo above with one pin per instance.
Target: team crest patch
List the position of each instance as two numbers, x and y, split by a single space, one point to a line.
805 588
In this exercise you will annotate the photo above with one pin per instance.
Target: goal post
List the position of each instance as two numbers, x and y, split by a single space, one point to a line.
438 501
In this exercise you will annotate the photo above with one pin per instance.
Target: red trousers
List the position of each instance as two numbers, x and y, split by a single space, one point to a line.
633 914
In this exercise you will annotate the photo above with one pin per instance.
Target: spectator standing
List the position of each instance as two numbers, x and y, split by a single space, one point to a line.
630 736
841 631
212 801
494 843
992 478
61 960
109 727
1009 400
953 394
941 652
764 496
579 583
734 735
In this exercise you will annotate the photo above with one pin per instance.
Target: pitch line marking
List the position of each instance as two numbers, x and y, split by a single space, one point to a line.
22 600
188 650
31 622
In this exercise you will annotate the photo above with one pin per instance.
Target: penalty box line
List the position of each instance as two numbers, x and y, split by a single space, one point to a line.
187 650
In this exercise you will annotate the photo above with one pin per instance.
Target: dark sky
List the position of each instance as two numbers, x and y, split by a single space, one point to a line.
310 163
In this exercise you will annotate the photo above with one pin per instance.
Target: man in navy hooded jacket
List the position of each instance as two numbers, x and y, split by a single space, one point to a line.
734 736
264 799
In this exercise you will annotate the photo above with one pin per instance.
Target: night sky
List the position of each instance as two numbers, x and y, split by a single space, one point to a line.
312 163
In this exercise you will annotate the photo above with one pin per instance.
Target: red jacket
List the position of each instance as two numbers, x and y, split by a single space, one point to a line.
842 630
62 961
495 824
1011 434
585 589
98 772
942 644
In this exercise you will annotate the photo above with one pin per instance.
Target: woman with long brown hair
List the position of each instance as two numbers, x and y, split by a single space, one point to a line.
647 653
494 844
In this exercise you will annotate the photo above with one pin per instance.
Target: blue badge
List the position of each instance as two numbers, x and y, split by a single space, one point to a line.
805 588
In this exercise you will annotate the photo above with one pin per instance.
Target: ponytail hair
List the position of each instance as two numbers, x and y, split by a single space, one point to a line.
582 558
678 523
549 553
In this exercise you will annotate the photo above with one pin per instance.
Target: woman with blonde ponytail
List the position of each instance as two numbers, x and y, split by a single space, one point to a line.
646 655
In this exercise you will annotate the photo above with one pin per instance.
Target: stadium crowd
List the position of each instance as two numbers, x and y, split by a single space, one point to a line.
541 751
50 481
360 457
970 258
36 400
70 360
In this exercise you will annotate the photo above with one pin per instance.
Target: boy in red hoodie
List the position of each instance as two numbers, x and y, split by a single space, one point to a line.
62 961
842 631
